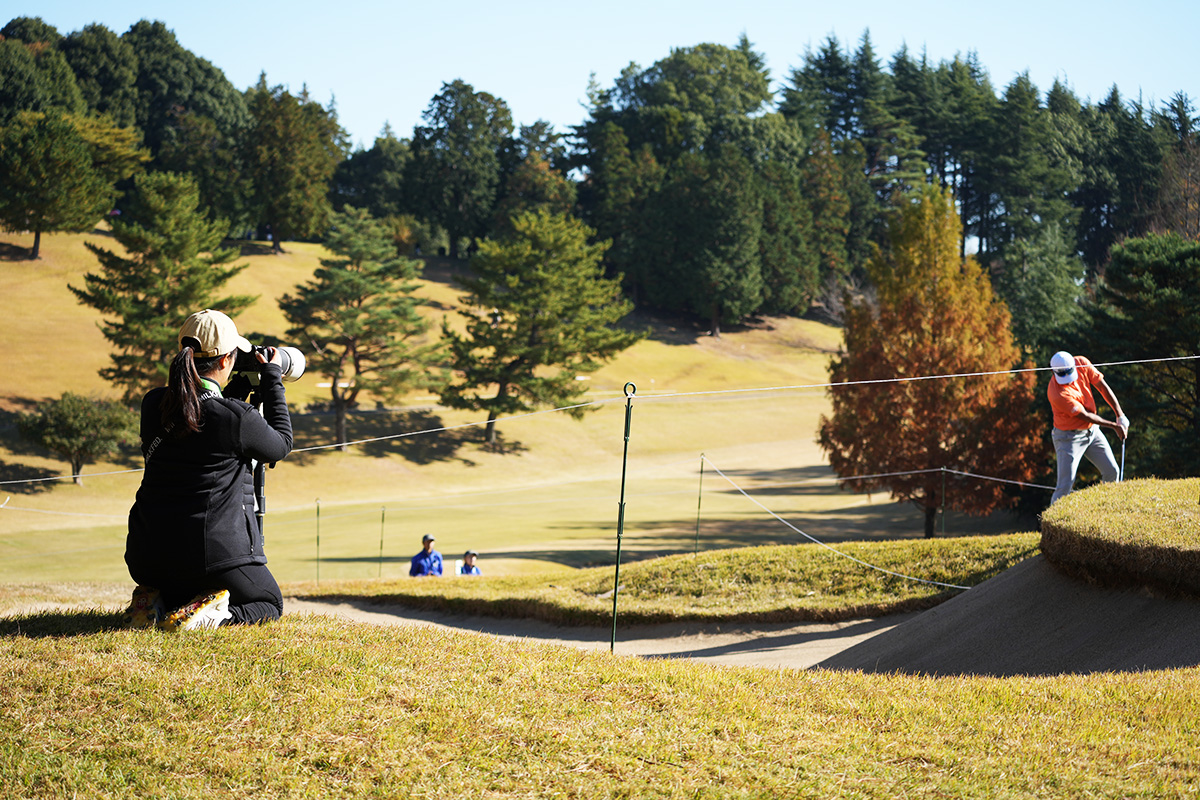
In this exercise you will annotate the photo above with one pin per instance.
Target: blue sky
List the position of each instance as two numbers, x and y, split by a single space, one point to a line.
383 61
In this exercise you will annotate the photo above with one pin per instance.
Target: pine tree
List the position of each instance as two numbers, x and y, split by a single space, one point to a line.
173 266
538 313
359 320
50 178
936 315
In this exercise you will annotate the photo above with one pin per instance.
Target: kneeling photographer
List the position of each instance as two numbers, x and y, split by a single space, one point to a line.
195 546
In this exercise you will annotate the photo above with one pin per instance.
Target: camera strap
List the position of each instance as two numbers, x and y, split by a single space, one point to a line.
209 395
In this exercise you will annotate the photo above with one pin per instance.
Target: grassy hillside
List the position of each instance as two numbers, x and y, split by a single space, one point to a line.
550 498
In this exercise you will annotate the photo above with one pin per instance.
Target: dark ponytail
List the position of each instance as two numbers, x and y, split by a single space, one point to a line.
181 410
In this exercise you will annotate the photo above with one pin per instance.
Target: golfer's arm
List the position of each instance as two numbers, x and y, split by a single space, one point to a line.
1110 398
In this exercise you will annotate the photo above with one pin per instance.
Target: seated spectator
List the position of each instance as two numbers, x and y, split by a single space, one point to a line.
428 562
468 566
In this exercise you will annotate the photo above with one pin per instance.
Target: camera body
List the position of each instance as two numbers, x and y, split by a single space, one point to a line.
292 362
245 369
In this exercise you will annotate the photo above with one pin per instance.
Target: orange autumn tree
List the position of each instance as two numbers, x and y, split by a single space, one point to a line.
935 314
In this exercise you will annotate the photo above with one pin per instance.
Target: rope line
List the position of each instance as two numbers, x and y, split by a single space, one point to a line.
1001 480
823 544
654 397
574 499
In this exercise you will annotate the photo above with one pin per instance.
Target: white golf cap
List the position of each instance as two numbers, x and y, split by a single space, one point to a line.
1063 364
215 332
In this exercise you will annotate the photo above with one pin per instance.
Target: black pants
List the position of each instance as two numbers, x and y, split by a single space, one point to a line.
254 595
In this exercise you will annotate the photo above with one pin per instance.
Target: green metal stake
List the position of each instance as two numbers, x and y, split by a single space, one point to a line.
699 494
318 541
382 516
943 501
630 391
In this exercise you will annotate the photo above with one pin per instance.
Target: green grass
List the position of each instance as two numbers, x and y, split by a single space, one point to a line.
316 707
750 584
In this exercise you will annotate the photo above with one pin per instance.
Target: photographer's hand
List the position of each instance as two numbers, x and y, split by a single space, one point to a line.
275 358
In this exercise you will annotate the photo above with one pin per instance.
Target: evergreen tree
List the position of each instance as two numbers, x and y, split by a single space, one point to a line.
825 188
292 149
172 82
1118 189
936 314
1025 174
709 213
20 82
50 177
359 318
789 261
538 313
533 185
820 94
173 266
1041 281
1146 308
31 30
106 70
456 168
79 430
1177 208
374 179
617 200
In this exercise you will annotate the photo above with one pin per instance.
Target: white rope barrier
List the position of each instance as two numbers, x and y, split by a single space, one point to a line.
649 397
815 540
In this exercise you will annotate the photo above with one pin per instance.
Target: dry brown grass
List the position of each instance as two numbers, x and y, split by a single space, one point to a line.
1141 532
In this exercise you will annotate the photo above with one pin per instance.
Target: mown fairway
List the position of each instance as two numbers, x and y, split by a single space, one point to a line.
550 497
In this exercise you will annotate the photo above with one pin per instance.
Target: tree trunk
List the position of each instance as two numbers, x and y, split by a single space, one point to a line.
716 320
930 520
77 472
339 425
35 253
489 433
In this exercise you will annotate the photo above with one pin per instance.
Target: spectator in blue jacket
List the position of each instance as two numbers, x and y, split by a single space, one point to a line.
428 562
468 566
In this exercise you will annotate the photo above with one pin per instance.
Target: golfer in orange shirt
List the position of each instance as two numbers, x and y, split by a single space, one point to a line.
1076 423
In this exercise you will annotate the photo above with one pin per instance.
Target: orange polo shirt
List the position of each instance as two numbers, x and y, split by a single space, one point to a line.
1067 400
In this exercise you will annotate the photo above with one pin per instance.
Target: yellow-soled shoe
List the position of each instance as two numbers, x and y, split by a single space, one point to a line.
145 609
204 611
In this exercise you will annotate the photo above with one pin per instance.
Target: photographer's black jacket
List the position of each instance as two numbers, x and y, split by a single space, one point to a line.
194 512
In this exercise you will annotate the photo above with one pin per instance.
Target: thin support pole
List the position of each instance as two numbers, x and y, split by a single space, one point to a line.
318 541
943 501
699 494
630 391
1121 474
382 517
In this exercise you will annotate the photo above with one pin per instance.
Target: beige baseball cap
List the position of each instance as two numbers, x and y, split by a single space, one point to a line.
216 333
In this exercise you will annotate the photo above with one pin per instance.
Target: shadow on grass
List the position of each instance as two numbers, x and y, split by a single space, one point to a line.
246 247
12 252
60 623
409 427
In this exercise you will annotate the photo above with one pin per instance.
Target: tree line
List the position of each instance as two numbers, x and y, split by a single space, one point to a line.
689 185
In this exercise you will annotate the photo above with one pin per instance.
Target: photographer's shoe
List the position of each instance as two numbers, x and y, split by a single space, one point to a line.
204 611
145 609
